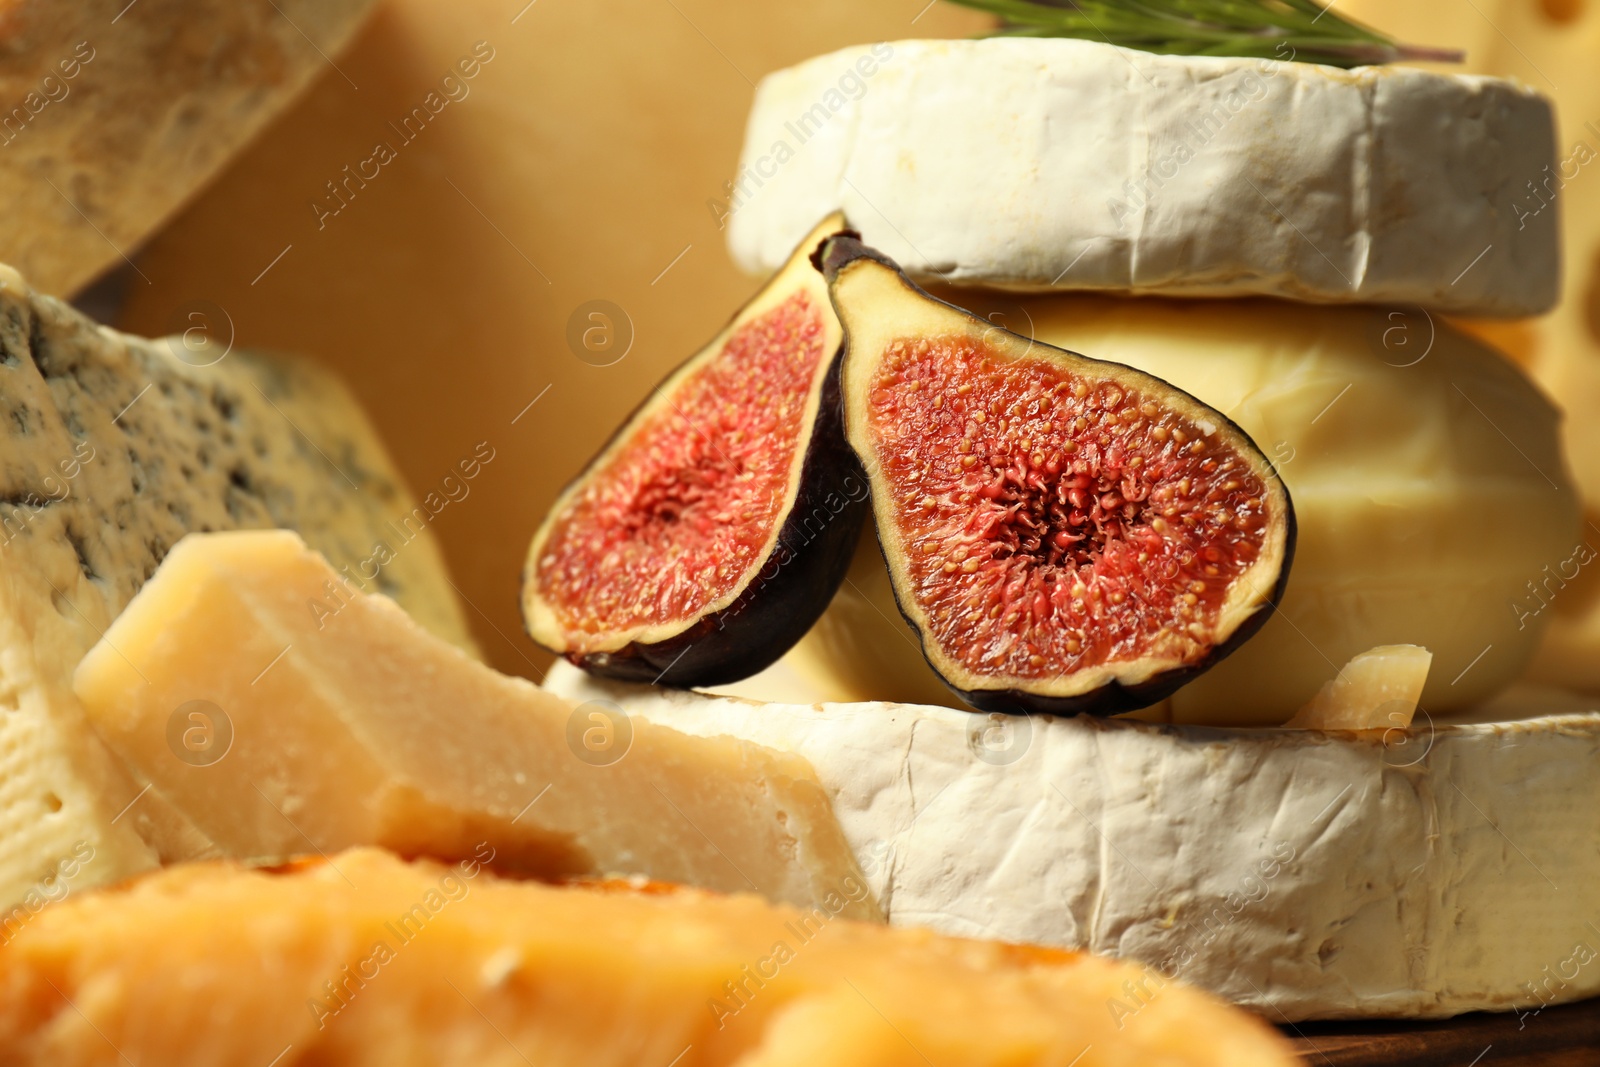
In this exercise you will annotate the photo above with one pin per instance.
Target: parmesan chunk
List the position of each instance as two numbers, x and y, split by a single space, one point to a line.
340 723
374 961
1376 690
113 448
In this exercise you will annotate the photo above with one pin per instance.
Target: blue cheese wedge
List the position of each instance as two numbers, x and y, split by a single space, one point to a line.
1065 164
1301 873
113 448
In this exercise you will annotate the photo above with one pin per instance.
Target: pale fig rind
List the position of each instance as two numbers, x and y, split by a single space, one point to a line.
884 312
775 599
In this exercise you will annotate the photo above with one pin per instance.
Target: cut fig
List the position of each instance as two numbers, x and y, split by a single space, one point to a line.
708 535
1064 534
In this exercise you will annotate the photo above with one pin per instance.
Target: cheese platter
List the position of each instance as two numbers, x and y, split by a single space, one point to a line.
1114 590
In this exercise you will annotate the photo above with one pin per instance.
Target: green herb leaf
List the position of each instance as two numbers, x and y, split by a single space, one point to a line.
1300 30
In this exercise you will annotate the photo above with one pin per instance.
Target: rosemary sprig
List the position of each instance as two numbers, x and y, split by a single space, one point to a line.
1303 30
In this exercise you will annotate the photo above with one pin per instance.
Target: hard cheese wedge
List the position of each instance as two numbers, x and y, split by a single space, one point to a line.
1303 874
113 448
338 721
375 961
1376 690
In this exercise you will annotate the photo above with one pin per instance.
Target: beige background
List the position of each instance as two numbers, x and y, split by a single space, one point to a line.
578 167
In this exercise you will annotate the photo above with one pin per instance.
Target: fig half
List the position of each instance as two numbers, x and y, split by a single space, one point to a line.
712 530
1065 534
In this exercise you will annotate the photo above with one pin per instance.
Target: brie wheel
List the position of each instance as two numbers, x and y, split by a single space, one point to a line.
1404 873
1066 164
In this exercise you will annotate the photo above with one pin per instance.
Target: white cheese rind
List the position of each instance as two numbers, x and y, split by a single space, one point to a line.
1066 164
1416 874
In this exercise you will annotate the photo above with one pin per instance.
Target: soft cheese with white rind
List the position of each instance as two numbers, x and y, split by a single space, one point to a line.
1067 164
1412 873
1428 483
113 448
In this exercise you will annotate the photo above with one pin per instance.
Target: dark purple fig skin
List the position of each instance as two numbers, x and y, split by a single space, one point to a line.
1113 698
793 587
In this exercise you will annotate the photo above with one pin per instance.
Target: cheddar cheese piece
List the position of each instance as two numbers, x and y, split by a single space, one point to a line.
375 961
327 718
